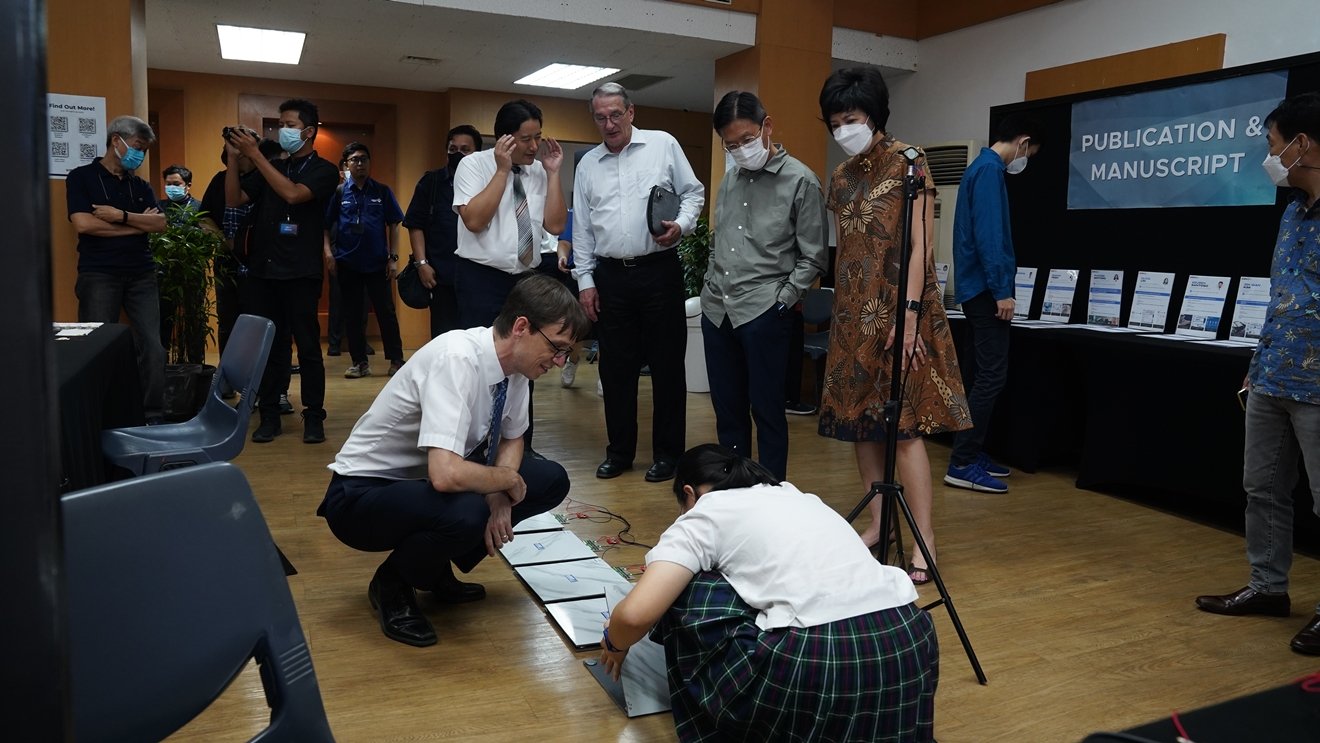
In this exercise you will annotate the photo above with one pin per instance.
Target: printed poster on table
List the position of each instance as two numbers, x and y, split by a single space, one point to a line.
1202 306
75 127
1105 298
1150 301
1024 288
1060 289
1253 298
942 277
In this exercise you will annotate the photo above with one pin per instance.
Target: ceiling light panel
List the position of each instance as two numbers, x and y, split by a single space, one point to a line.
260 44
566 76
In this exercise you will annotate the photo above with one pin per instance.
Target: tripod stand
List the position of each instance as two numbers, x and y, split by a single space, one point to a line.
890 492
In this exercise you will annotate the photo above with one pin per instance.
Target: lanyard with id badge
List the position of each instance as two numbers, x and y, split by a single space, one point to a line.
288 227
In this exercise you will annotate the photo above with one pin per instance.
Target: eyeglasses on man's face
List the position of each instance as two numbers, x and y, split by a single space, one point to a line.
746 141
561 354
613 118
359 160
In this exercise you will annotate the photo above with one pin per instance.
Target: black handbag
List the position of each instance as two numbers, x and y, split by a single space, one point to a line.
411 290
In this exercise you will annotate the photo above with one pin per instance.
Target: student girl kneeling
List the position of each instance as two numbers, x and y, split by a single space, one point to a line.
776 621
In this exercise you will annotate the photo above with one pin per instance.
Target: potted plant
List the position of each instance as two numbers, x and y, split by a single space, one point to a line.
185 253
694 254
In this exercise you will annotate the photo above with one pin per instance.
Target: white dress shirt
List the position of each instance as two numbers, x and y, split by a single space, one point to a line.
497 245
610 192
787 554
440 399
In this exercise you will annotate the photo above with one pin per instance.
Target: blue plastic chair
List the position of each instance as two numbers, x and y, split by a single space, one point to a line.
173 584
817 308
218 432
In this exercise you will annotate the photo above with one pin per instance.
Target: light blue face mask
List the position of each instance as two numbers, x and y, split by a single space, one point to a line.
131 158
176 193
291 139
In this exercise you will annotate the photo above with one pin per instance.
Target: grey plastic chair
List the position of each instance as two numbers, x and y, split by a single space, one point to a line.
817 308
173 584
218 432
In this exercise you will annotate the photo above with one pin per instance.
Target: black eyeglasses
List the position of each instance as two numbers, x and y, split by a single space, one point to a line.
560 353
359 160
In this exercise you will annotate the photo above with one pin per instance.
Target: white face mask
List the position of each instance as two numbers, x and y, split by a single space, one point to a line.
853 138
751 156
1019 163
1276 170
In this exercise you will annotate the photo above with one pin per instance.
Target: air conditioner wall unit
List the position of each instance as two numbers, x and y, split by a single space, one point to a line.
947 163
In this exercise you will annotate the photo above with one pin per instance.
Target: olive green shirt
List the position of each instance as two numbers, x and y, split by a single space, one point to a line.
769 240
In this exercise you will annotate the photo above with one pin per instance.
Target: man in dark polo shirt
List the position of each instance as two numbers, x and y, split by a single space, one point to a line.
113 210
433 229
285 265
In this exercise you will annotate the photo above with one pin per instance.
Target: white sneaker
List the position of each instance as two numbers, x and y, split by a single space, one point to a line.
600 389
568 373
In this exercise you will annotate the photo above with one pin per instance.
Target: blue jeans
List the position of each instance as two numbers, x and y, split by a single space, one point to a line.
990 340
101 297
746 369
1278 431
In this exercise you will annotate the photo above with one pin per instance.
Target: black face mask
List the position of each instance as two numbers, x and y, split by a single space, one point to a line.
454 157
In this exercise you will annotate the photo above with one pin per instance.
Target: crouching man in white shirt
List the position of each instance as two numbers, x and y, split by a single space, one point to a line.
434 472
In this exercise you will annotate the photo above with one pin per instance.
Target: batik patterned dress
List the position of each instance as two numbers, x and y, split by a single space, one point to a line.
866 194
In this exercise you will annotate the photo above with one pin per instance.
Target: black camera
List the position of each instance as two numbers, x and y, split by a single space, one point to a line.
235 129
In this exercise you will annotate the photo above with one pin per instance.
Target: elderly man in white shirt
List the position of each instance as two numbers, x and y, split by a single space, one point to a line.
630 282
434 471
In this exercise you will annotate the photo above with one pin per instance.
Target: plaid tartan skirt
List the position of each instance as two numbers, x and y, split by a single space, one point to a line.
868 678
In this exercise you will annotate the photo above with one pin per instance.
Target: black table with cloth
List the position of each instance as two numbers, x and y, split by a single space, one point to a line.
98 388
1133 414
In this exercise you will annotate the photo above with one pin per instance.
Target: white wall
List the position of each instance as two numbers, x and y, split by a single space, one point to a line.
961 74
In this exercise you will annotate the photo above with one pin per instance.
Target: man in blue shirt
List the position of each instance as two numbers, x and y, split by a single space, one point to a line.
1283 407
363 216
113 210
984 268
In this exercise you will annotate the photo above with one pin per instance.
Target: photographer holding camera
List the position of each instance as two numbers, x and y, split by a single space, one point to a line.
285 267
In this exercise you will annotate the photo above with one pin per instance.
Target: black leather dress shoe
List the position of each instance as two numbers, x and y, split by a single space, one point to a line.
1307 642
611 468
1246 602
395 603
660 471
459 592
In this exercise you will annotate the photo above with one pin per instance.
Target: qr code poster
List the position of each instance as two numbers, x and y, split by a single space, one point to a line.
76 129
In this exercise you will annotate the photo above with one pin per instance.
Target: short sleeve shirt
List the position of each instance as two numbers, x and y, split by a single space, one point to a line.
278 251
91 184
1284 364
441 399
362 214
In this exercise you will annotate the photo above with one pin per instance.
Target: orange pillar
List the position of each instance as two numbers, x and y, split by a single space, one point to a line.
785 69
96 49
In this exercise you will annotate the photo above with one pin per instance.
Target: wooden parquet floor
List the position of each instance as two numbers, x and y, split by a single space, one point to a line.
1078 604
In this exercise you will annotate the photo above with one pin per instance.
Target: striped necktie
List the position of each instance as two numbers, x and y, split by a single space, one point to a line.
500 394
525 254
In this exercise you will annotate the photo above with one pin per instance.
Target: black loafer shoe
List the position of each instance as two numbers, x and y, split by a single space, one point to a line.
1247 601
611 468
459 592
660 471
395 603
1307 642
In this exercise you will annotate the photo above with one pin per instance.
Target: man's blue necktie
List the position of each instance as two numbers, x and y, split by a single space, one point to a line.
500 394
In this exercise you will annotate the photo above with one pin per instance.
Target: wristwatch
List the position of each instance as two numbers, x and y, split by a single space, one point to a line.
394 257
914 305
423 262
